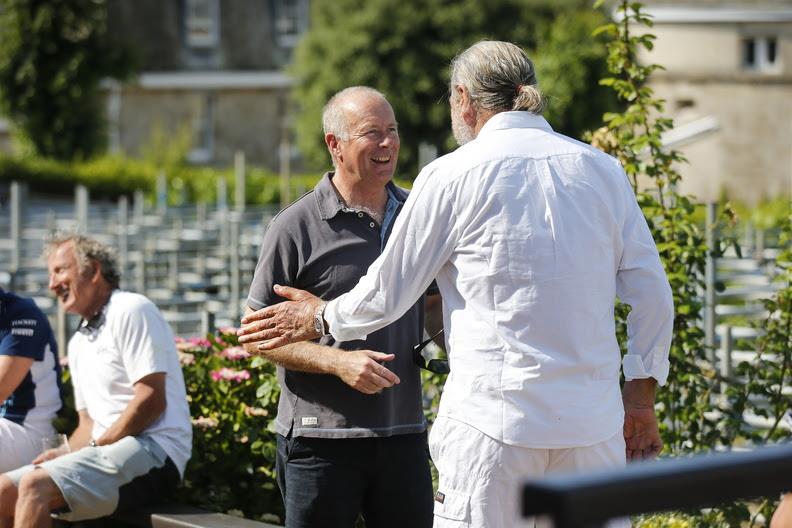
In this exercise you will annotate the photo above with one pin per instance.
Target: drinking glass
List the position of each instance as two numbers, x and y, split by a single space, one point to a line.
60 442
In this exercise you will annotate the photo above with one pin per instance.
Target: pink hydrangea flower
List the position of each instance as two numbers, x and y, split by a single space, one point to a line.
204 423
235 353
255 411
185 358
186 345
228 374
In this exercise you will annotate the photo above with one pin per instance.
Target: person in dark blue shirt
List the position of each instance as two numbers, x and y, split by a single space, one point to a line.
30 386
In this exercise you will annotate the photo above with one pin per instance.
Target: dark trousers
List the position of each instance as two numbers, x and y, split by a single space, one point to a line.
327 482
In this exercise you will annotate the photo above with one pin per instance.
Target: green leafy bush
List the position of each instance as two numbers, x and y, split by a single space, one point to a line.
672 520
109 177
106 177
233 402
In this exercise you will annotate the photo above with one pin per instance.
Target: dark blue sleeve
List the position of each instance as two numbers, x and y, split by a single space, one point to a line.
25 331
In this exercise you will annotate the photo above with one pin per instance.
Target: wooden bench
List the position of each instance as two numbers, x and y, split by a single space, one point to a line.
168 516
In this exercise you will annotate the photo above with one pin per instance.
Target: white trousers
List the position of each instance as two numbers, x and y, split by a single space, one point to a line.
20 445
481 478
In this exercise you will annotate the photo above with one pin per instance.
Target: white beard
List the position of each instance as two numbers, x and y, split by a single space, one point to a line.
462 132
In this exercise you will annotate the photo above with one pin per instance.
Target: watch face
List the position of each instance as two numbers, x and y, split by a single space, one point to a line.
318 326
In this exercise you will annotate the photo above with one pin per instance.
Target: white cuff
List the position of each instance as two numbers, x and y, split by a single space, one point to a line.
331 320
336 325
653 365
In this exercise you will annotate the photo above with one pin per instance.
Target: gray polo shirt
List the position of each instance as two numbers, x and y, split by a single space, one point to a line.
319 245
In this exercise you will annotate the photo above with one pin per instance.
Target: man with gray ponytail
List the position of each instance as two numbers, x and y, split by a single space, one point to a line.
531 236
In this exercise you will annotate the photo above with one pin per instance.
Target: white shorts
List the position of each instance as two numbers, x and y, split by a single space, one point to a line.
19 445
90 478
481 478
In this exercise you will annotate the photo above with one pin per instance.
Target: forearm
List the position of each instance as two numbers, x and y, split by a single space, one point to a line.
639 392
303 357
363 370
136 418
12 371
81 436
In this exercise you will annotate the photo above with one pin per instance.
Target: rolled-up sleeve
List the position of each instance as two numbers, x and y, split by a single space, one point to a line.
641 282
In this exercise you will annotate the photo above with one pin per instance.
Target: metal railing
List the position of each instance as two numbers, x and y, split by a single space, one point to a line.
589 500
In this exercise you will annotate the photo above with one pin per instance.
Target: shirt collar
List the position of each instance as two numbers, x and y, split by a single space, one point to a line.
92 326
329 202
518 119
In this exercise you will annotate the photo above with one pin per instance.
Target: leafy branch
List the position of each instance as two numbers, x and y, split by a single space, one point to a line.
635 137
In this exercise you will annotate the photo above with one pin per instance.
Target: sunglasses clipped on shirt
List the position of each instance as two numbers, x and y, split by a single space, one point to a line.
438 366
91 327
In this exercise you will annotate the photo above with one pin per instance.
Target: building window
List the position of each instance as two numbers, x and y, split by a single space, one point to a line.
760 53
290 21
203 131
202 22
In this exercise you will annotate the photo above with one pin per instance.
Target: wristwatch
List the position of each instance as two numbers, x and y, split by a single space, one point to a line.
320 326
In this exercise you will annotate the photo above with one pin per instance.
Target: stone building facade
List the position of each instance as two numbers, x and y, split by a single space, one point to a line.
213 69
728 85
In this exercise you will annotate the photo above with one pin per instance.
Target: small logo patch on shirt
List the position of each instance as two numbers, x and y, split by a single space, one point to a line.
310 420
24 322
22 331
440 497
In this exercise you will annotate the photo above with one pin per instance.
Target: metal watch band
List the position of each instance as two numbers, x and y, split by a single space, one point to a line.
319 322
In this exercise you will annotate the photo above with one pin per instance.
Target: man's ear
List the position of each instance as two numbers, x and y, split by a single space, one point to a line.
333 145
96 271
469 113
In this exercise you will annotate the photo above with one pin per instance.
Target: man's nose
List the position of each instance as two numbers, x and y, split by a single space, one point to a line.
388 140
52 281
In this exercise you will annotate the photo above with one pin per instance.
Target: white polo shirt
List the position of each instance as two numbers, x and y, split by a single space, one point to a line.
531 236
133 342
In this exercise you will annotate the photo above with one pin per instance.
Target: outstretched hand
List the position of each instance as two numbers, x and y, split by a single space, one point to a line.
280 324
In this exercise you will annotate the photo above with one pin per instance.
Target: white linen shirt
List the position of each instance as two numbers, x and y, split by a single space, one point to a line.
530 235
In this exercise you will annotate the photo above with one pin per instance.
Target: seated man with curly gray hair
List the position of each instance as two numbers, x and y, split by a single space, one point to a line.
134 436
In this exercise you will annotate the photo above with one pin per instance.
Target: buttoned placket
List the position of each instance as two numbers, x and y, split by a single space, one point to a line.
391 207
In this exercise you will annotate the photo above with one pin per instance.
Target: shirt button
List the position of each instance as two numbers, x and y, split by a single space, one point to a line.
372 224
360 215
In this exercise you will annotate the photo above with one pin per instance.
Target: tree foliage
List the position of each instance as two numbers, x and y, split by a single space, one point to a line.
403 48
695 414
634 136
53 56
